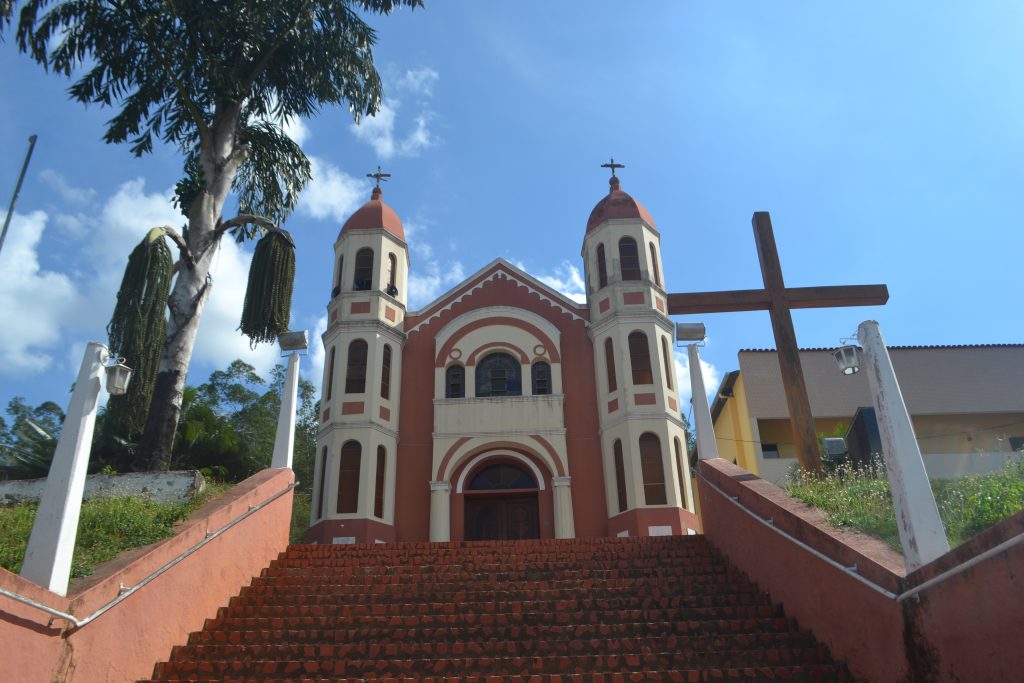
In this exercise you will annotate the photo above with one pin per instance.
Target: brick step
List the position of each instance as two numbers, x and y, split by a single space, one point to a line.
563 545
784 653
456 591
324 629
319 593
501 575
563 600
467 666
793 674
452 616
447 557
490 564
730 635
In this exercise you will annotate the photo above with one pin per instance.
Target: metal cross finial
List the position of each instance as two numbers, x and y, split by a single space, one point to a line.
379 176
612 165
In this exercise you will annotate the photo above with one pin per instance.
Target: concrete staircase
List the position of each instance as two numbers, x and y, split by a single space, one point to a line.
608 609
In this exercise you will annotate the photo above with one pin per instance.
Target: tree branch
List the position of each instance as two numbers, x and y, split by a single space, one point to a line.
175 236
192 107
264 59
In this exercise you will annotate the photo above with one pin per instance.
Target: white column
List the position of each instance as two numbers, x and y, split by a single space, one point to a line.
440 511
284 441
565 527
921 532
707 448
52 543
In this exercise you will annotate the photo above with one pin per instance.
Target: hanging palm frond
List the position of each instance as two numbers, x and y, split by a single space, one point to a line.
268 296
137 329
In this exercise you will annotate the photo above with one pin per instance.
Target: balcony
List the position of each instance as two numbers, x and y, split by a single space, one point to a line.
498 415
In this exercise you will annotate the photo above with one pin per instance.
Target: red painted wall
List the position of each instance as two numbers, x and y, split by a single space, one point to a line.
965 628
126 642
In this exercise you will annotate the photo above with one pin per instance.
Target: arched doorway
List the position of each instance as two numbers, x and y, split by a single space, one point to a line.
501 503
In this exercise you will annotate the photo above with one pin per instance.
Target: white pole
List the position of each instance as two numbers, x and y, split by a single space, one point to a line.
440 511
707 448
284 441
562 494
917 516
52 543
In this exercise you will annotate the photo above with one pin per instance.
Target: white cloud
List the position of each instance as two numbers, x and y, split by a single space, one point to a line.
74 225
428 277
34 303
332 193
296 129
315 373
76 195
382 131
566 279
419 81
712 378
219 342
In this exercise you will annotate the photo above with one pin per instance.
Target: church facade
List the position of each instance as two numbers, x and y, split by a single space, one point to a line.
503 409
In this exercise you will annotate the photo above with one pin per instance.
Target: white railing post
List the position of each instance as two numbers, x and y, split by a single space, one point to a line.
440 511
707 447
917 517
52 543
284 440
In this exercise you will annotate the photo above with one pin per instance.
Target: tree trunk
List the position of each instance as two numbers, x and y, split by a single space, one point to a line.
219 158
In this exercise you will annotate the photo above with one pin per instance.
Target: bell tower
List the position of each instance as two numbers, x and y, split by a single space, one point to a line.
647 477
354 477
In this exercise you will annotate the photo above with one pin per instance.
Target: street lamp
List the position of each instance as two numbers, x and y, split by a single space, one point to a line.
118 377
846 359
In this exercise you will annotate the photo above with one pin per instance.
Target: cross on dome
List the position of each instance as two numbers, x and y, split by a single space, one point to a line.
379 176
612 165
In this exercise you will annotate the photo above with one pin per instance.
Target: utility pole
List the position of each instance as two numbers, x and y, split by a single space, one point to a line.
17 188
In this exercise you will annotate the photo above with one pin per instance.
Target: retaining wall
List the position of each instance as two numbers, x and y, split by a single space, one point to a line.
124 643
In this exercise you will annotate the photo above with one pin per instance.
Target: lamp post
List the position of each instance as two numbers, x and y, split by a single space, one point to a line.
292 345
52 543
694 334
917 516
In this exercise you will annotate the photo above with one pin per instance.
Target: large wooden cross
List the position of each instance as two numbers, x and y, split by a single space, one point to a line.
778 300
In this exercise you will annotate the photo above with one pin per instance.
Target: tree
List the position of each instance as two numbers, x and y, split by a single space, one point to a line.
215 79
28 445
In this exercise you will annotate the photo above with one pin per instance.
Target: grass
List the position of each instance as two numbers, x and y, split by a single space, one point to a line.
300 517
861 500
106 527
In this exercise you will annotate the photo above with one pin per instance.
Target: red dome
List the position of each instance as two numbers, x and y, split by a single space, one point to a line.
617 204
373 215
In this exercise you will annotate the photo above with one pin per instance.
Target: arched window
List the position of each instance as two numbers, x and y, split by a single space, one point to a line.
667 357
320 489
363 279
654 265
629 259
679 471
330 375
620 475
348 476
355 375
602 268
609 364
499 374
502 476
652 469
385 372
455 382
640 358
378 489
392 274
541 375
338 280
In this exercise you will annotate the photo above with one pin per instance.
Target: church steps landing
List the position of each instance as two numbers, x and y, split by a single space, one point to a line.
666 608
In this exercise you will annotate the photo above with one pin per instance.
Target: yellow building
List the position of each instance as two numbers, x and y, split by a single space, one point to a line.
966 403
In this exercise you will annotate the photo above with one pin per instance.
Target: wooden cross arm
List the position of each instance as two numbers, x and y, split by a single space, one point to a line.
761 300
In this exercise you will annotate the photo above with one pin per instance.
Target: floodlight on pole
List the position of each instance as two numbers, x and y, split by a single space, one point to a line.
690 332
293 341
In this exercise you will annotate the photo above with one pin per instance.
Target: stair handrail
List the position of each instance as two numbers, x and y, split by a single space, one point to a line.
125 591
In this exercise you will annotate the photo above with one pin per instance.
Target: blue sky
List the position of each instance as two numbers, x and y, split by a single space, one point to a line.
885 139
